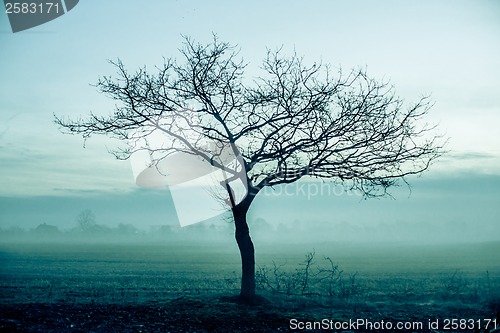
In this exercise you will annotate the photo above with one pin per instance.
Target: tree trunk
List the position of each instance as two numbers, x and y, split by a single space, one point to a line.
247 252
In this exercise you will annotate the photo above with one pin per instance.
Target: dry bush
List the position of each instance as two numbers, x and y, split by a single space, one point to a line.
310 278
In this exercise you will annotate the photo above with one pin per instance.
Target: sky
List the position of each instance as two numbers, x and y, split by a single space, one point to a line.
448 50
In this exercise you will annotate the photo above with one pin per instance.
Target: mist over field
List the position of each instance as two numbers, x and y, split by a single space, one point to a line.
430 252
444 210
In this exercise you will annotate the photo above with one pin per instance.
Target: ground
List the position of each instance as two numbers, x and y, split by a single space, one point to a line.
191 288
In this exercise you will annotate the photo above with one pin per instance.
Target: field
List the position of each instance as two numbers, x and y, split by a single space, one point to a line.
181 287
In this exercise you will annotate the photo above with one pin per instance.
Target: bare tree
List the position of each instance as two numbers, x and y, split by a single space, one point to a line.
294 121
86 220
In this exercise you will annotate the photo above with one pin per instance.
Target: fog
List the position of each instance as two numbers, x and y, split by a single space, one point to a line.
445 210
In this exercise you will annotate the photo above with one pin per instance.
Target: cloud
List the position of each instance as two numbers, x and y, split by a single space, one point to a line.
471 156
6 126
467 162
38 160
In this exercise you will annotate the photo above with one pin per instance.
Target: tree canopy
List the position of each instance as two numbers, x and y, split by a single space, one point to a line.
295 120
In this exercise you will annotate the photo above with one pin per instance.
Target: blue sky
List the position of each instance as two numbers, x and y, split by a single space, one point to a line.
450 50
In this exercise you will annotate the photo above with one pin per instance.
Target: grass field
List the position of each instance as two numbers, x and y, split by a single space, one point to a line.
184 287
